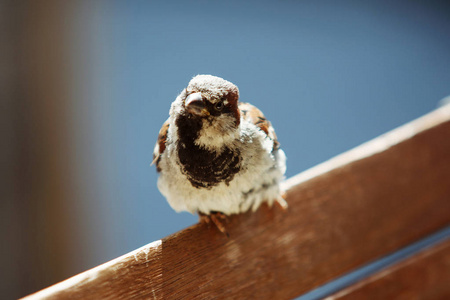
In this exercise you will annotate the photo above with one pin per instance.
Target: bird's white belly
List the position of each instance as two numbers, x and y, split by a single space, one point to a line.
259 182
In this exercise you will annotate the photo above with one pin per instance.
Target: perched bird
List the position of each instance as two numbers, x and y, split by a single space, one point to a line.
217 156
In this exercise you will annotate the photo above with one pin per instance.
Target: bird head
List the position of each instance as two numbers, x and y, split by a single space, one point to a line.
212 98
211 102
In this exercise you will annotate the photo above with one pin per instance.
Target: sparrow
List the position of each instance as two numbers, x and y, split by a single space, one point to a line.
217 156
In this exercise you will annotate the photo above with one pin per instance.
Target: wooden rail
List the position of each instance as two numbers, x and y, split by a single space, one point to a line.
344 213
426 274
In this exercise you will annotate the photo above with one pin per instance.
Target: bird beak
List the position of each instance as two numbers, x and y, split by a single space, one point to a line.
195 105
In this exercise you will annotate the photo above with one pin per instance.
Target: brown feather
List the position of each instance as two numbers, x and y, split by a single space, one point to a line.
255 116
160 144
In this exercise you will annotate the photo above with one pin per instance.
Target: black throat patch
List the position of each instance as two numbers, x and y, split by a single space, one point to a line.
203 168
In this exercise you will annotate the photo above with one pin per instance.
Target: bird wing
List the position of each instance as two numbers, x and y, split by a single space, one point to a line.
256 117
160 145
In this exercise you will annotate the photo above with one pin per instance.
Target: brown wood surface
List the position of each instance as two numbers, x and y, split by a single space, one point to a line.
346 212
422 276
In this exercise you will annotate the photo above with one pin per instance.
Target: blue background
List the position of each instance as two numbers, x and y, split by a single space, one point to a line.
330 75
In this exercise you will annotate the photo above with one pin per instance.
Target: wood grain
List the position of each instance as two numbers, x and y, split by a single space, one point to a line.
346 212
423 276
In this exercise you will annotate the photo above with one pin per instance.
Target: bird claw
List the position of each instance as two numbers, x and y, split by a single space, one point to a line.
216 218
281 201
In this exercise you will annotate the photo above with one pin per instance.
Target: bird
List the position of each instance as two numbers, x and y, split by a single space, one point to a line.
217 156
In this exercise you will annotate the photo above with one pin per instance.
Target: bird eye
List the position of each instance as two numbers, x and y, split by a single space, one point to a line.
219 106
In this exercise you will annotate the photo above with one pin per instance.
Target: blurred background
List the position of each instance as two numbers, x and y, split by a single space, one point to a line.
86 85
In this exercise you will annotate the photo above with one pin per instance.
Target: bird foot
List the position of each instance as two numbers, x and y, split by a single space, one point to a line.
281 201
216 218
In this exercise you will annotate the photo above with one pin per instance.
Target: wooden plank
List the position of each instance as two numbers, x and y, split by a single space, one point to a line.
346 212
426 274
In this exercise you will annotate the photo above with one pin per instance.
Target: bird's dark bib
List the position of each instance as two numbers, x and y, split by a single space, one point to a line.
203 168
